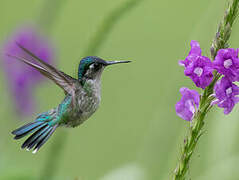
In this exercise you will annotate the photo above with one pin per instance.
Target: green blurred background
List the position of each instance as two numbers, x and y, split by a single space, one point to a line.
135 134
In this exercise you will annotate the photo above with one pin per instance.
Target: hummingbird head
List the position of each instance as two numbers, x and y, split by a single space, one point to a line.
91 67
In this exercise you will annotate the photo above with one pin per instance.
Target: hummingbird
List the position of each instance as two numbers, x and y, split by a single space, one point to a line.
82 98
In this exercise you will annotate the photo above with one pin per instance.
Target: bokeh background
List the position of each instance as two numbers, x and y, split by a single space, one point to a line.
135 134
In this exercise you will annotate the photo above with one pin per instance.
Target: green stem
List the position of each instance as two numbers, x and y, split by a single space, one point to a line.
224 30
49 13
107 25
195 129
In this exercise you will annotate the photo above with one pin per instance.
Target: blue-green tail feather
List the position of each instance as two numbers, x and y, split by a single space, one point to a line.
26 129
42 128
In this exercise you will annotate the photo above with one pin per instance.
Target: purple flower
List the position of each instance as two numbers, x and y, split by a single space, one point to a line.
227 94
188 104
227 63
197 67
23 79
195 51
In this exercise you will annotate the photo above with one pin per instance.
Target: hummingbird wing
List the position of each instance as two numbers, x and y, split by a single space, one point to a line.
63 80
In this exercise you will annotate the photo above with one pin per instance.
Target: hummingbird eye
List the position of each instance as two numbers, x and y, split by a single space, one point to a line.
97 66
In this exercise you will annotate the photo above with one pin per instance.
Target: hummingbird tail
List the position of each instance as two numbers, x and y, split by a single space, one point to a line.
42 129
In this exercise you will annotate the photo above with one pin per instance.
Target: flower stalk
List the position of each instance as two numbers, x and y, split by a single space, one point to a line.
224 30
196 125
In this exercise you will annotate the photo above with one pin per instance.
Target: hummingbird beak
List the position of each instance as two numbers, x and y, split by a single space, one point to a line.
115 62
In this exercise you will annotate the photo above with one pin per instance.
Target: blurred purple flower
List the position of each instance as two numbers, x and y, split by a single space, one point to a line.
22 79
227 94
188 104
227 63
197 67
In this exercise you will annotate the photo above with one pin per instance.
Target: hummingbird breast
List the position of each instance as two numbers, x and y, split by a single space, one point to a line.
87 100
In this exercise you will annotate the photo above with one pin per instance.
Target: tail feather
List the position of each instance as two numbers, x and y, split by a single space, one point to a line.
34 136
39 138
42 129
44 139
29 129
26 128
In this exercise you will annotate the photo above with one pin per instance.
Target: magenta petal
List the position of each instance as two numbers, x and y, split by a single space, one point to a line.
186 107
227 63
183 112
181 63
198 68
226 94
195 48
22 79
